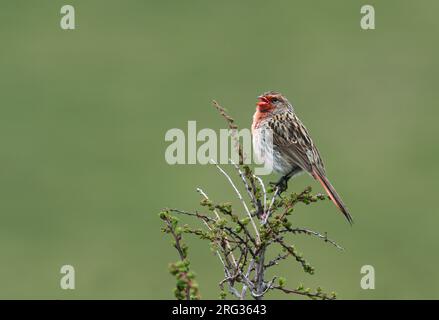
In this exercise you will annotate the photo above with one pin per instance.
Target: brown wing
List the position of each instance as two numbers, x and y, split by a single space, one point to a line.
292 139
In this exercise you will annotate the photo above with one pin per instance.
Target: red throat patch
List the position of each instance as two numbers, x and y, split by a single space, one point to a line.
258 117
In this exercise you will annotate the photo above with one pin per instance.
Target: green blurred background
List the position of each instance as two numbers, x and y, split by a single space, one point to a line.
84 113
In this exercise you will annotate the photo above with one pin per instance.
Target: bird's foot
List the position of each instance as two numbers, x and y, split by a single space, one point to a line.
281 185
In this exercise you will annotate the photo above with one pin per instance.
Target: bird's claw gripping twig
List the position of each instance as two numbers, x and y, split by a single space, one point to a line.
281 185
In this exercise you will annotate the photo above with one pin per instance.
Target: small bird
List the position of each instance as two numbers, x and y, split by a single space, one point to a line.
281 140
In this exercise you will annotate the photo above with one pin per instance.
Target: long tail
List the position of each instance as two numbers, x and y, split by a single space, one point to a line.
332 194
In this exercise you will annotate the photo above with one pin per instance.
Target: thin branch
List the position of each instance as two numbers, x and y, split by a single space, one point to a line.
240 240
232 289
240 198
233 127
276 260
319 295
269 211
247 274
196 214
177 239
313 233
244 228
244 180
264 191
299 258
181 253
199 190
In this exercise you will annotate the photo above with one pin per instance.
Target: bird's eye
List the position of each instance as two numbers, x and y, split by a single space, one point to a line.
274 99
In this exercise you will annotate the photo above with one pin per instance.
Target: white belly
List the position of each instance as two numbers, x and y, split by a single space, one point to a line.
267 153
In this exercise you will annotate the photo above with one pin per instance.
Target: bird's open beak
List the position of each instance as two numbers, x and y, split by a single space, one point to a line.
263 102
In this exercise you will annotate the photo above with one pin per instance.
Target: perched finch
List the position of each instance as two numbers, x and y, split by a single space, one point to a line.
281 140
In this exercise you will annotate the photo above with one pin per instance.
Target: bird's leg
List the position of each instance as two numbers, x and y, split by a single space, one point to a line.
282 184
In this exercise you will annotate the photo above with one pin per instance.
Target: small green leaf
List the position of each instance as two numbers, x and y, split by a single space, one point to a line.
282 281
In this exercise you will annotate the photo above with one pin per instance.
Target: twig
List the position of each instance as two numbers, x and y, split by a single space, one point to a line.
244 180
196 214
267 214
199 190
247 274
233 127
177 239
319 295
313 233
181 252
240 198
232 289
276 260
263 189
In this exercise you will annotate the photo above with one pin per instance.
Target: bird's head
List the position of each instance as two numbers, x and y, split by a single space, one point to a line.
272 101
